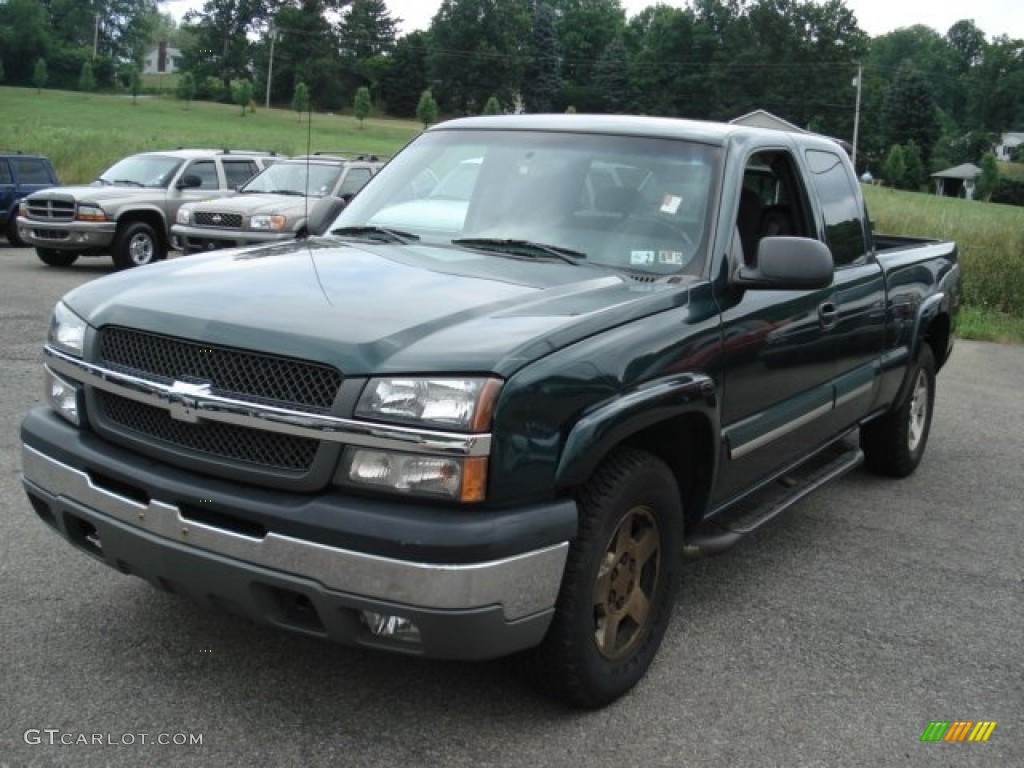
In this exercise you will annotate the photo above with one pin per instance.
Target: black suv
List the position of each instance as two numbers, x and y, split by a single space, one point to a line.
20 175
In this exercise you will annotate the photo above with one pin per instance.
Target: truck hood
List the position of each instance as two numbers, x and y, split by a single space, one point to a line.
375 308
257 203
100 193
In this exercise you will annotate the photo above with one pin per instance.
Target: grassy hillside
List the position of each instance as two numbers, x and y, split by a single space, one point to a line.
991 241
84 134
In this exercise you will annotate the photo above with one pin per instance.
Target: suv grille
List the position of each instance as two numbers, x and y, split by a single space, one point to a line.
251 376
51 210
224 220
252 446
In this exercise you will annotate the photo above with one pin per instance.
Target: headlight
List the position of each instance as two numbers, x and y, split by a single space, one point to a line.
439 476
464 405
62 396
184 216
90 212
67 330
23 208
276 223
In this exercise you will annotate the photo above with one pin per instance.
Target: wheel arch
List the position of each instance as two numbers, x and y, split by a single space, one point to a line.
149 216
675 420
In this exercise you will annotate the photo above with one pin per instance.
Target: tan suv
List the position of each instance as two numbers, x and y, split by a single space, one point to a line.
274 206
128 210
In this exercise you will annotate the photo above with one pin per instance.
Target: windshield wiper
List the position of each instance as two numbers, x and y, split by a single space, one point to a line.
286 192
522 248
132 182
383 234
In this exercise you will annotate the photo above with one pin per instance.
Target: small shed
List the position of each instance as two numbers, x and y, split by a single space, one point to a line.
1008 142
957 182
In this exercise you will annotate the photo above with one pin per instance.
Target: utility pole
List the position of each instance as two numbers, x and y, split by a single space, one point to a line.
270 67
856 115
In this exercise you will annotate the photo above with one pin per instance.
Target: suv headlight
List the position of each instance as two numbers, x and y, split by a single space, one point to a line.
67 330
184 216
462 405
275 222
90 212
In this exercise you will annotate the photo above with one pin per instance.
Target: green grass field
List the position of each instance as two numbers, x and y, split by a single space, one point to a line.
991 242
84 134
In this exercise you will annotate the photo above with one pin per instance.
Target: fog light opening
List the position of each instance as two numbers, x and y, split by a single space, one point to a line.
391 627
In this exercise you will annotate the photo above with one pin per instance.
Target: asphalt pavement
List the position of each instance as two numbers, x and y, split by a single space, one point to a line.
831 638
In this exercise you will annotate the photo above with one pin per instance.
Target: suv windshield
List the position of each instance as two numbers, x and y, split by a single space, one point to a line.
142 171
313 179
630 202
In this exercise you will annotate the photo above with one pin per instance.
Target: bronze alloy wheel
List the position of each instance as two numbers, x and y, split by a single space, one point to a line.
624 587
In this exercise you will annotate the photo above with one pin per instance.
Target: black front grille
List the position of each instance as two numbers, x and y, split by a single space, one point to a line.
252 446
251 376
226 220
51 210
51 234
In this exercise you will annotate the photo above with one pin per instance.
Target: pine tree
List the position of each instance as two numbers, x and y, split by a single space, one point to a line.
989 178
426 110
895 167
361 105
300 100
40 75
492 107
543 82
87 80
187 88
243 95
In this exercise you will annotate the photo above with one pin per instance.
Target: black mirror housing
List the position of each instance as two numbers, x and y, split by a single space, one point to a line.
788 264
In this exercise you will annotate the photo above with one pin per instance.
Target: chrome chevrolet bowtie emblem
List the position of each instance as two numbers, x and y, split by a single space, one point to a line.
216 219
183 398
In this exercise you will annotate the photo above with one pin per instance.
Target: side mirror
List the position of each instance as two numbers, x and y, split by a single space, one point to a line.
190 181
322 214
788 264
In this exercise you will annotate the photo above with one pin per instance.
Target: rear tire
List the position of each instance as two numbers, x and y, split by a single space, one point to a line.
137 245
54 258
894 444
620 584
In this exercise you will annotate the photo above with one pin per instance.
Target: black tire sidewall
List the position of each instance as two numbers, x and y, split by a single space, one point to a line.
54 258
639 479
122 245
925 363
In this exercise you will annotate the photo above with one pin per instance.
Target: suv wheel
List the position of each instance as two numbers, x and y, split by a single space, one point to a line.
53 258
137 245
12 233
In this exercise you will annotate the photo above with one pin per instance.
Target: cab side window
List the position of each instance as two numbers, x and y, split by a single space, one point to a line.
206 170
5 173
237 172
355 179
31 170
772 202
844 225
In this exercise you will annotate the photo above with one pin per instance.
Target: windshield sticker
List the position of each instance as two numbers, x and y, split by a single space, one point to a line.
675 258
670 204
641 257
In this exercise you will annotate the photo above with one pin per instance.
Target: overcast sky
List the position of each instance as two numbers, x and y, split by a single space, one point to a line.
876 17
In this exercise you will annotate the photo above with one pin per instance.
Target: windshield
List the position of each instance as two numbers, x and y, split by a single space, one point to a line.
313 179
142 171
630 202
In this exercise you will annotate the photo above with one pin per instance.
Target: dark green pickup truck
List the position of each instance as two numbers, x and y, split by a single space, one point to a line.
495 415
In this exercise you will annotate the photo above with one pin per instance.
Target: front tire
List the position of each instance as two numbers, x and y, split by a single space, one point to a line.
620 583
12 233
54 258
894 444
137 245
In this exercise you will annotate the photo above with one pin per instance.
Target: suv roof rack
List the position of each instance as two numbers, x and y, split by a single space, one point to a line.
371 157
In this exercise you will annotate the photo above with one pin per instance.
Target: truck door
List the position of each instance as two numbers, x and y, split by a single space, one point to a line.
860 286
779 347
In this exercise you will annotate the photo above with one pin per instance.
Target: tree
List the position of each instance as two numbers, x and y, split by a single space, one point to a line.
913 167
611 76
243 95
492 107
909 112
585 28
543 82
134 82
403 81
300 99
221 32
426 110
361 105
989 178
367 30
40 75
187 88
86 80
895 167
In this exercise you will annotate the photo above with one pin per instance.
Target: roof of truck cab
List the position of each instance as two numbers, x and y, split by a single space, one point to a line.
703 131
